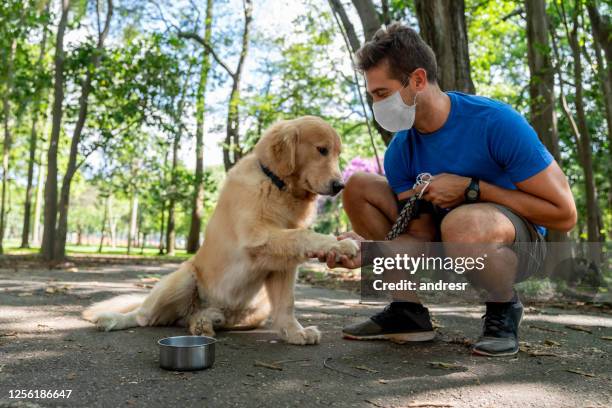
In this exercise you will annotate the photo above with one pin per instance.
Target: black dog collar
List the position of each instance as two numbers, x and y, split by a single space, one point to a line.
275 179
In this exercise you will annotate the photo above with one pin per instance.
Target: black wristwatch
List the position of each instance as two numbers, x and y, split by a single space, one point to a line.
472 192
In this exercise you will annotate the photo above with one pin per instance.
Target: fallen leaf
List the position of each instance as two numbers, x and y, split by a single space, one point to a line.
9 334
271 366
24 294
577 371
149 280
579 328
364 368
381 381
609 338
71 376
445 366
553 343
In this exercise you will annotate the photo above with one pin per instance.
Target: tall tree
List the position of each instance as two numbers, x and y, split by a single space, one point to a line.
542 78
73 165
579 125
40 96
601 27
370 21
541 85
232 148
11 32
176 141
442 25
50 211
197 206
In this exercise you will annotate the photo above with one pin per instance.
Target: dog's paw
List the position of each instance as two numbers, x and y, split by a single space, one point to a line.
301 337
201 327
348 247
107 321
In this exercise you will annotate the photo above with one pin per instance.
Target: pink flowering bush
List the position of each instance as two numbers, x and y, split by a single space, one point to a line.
367 165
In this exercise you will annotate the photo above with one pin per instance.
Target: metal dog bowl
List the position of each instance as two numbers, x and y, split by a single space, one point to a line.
186 353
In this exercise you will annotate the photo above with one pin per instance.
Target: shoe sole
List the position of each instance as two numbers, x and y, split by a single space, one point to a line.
484 353
506 354
397 337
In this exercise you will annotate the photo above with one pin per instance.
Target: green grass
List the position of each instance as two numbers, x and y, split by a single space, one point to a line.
12 248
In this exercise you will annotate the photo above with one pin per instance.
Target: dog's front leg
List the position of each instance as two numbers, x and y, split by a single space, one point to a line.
280 286
299 243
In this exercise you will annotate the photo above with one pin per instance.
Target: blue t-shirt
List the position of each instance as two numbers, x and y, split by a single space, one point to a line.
481 138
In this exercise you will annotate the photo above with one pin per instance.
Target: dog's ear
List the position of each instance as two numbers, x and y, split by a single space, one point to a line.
278 147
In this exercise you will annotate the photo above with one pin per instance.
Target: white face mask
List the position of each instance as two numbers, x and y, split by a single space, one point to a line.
393 114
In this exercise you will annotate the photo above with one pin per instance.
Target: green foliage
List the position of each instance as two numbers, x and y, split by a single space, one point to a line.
144 95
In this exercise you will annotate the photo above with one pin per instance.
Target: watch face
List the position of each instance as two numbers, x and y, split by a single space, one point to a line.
472 194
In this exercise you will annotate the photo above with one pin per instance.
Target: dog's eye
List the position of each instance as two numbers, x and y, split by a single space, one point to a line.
323 150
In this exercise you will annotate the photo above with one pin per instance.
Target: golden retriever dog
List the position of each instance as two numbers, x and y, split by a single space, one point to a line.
245 270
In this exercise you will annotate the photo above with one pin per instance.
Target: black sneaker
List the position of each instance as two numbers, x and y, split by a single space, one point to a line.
500 329
399 321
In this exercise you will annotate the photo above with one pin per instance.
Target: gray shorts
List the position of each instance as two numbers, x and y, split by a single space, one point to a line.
529 244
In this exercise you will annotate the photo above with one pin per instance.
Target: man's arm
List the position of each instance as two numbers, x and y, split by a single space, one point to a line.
544 199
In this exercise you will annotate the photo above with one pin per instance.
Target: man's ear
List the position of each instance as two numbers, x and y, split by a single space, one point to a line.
279 145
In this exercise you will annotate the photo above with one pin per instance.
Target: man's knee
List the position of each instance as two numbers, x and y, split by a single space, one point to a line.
476 223
356 187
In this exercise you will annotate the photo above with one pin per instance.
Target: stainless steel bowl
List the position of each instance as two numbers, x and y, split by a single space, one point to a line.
186 353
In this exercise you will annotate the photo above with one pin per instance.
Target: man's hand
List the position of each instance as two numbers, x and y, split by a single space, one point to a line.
343 261
445 190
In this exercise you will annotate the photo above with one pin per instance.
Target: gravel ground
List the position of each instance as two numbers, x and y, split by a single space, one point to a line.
44 345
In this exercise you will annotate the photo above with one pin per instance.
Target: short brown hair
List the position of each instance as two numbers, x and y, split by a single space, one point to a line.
402 48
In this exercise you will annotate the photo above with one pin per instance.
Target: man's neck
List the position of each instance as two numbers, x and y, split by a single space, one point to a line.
432 110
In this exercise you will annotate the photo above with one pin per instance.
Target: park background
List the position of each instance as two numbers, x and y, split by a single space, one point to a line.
120 118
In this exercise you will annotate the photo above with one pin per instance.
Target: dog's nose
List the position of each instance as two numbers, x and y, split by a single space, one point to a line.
336 186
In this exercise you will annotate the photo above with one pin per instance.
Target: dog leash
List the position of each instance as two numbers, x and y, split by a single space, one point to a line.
411 209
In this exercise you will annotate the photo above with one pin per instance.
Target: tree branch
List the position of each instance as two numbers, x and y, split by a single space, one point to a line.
203 43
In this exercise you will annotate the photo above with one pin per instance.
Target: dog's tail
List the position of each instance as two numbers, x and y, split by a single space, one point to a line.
118 304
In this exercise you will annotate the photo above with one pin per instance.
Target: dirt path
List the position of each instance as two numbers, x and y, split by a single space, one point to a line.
45 345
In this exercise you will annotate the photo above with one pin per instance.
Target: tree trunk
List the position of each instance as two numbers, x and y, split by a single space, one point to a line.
112 224
39 198
8 61
27 207
162 227
48 242
541 86
133 221
579 126
232 150
371 23
541 82
602 39
442 26
368 16
197 208
171 229
86 87
585 150
104 221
